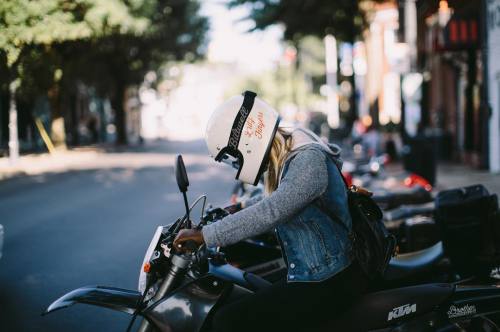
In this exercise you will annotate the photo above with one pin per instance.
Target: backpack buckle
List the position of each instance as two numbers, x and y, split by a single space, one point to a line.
361 191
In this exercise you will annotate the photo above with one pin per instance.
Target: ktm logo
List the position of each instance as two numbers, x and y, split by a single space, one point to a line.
402 311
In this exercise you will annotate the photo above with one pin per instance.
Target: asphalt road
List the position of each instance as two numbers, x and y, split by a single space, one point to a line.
91 227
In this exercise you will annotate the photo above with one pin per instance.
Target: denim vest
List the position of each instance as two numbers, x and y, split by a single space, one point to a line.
314 246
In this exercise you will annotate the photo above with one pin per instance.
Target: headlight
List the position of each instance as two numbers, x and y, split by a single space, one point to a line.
142 275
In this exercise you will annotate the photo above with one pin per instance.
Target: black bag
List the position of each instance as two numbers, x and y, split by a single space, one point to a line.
469 223
373 245
418 233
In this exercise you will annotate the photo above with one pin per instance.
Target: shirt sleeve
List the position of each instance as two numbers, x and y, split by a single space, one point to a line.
305 180
252 200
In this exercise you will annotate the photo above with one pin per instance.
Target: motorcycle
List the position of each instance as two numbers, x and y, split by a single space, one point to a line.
181 287
421 255
413 226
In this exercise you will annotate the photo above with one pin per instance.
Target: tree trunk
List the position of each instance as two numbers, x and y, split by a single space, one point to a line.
13 137
4 117
57 128
120 116
70 103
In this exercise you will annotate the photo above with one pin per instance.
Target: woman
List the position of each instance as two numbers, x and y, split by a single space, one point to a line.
305 202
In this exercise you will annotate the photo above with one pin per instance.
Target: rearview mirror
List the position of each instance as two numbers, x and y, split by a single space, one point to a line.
181 174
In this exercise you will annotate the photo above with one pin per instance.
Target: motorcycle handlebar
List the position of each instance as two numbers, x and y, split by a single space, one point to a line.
215 214
188 246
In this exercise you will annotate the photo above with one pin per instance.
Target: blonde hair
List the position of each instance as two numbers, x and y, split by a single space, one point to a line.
281 147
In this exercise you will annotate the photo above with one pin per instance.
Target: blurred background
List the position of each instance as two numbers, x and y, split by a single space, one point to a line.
98 96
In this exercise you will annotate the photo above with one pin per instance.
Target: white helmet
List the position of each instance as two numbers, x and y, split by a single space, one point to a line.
240 132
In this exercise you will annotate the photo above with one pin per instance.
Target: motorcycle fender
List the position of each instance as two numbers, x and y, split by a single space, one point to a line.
109 297
187 308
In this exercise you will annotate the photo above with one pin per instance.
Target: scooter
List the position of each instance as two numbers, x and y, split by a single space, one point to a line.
180 288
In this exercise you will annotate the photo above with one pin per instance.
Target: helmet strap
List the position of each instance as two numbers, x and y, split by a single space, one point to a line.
239 122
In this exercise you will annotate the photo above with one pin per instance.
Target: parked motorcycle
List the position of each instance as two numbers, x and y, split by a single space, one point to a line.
180 288
413 226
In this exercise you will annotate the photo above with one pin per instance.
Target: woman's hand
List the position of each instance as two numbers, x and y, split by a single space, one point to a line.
185 235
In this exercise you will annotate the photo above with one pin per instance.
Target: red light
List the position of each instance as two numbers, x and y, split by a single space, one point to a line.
463 31
453 32
416 180
473 30
147 267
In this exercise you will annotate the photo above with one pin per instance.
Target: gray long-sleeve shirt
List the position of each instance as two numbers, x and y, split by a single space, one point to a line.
305 180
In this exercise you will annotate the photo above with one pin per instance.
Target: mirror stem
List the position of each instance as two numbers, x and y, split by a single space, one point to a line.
188 221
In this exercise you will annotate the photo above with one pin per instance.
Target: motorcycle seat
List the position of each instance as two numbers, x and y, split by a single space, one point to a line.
393 199
407 265
385 308
410 210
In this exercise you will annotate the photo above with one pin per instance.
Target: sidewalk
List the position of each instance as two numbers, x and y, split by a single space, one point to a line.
35 164
152 154
162 154
454 175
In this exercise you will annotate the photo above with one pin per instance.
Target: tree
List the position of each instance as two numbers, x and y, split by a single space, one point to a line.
300 18
345 19
31 26
51 45
175 32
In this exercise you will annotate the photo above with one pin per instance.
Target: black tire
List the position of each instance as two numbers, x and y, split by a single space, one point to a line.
478 324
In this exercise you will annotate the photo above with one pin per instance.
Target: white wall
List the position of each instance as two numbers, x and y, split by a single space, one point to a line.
493 21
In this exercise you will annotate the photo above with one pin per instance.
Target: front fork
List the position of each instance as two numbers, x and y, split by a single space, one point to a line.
177 269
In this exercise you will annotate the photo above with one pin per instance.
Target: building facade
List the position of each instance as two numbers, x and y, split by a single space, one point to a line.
493 72
451 57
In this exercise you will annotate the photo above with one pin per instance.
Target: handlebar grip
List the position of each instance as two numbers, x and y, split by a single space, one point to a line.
188 245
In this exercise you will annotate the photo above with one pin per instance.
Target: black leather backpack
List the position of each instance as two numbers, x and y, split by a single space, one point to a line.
373 245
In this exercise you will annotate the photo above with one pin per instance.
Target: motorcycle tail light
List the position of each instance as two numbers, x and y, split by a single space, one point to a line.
147 267
416 180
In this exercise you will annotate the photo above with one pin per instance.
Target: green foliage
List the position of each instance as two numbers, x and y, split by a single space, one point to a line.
281 87
46 22
53 45
132 32
311 57
126 34
300 18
